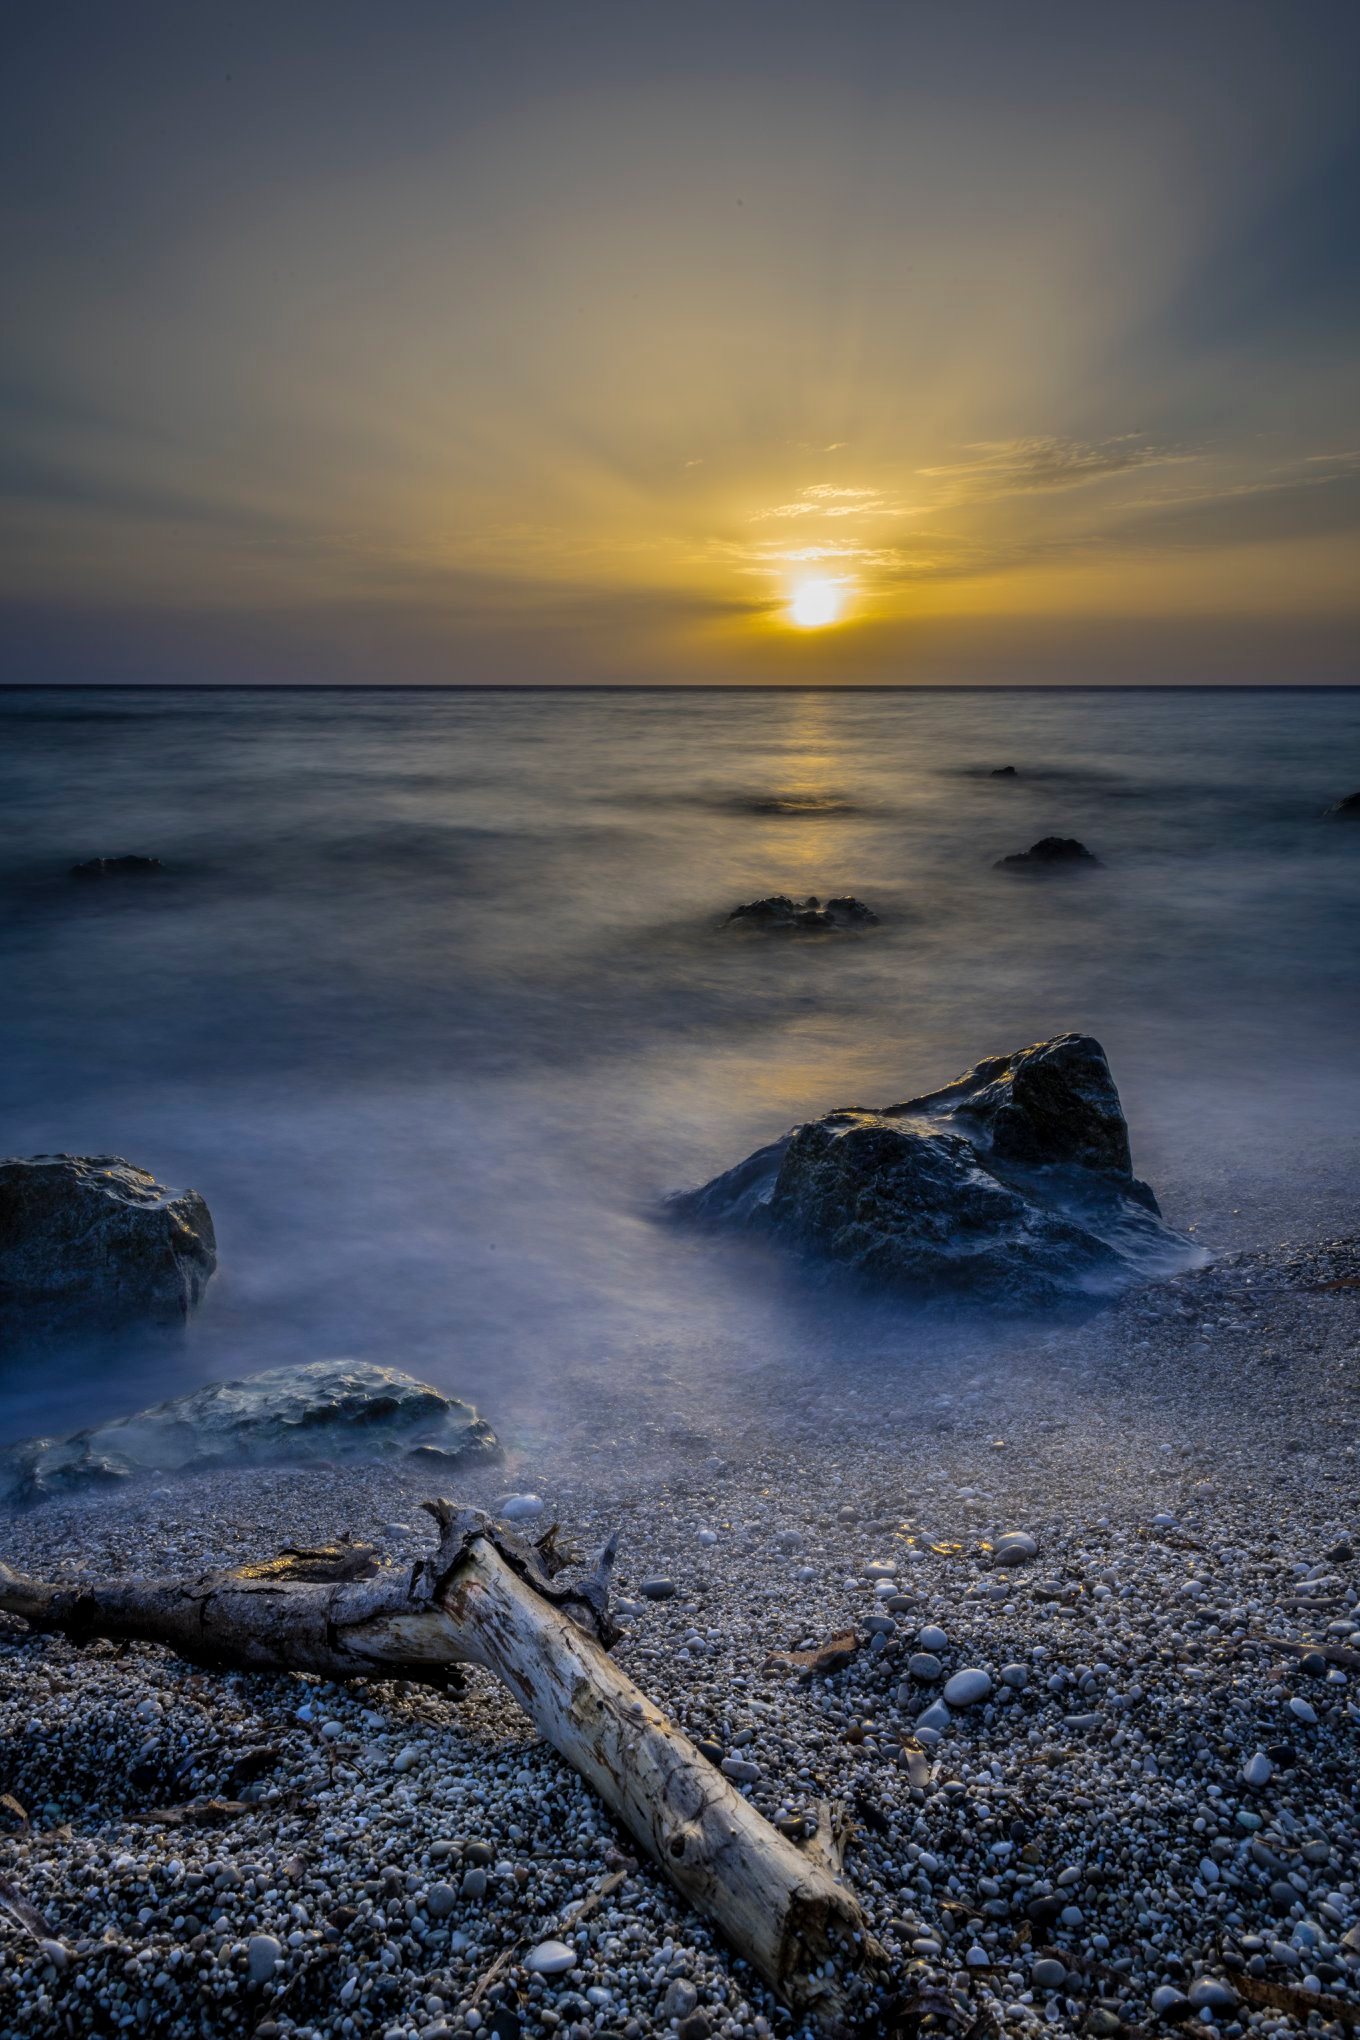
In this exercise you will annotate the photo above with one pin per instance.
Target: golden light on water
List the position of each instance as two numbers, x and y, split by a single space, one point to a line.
817 603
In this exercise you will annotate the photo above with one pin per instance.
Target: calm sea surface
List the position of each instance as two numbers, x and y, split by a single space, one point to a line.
432 1004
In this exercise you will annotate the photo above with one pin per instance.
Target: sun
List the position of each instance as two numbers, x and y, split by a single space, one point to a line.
816 603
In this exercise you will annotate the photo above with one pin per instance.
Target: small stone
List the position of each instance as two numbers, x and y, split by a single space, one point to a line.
680 1999
1302 1711
263 1956
695 2027
932 1639
739 1770
1048 1973
657 1590
923 1664
518 1508
936 1716
474 1882
1209 1991
1258 1770
1168 2001
550 1958
1017 1547
1015 1676
407 1759
440 1900
966 1688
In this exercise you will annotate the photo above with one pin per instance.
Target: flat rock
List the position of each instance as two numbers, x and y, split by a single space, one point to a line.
1050 853
329 1409
91 1242
1013 1184
779 914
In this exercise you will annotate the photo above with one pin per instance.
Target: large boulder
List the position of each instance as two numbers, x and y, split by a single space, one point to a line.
88 1243
780 915
328 1409
1012 1184
1348 808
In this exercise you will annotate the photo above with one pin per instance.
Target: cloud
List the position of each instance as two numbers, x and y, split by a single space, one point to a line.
1010 467
830 499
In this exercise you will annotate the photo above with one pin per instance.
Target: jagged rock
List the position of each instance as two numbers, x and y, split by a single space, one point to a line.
1349 807
88 1242
1012 1184
116 867
329 1409
1048 854
782 915
1004 772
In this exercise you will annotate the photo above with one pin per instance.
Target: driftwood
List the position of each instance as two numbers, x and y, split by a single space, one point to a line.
485 1598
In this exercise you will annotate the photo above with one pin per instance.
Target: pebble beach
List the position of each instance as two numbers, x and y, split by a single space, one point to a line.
1098 1732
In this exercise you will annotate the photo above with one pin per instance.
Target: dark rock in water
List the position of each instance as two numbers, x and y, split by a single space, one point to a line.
91 1243
1349 807
785 916
1004 772
116 867
1012 1184
330 1409
1049 853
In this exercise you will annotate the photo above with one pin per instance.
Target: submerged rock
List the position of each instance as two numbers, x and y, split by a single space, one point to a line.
116 867
329 1409
1003 772
785 916
89 1242
1048 854
1349 807
1012 1184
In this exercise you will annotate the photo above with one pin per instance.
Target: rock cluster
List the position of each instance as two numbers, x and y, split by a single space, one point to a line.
1014 1184
116 867
781 915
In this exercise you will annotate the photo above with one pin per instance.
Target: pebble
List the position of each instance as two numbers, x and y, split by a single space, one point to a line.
263 1956
657 1590
440 1900
932 1639
1208 1991
474 1882
1303 1711
967 1687
1017 1547
740 1770
923 1664
550 1958
519 1508
1258 1769
1048 1973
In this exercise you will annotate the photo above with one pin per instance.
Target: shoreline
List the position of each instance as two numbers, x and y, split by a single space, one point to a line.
1093 1817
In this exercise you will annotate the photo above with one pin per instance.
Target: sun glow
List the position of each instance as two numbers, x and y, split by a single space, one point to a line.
816 603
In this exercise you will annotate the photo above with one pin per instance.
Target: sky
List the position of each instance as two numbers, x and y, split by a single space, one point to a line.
851 343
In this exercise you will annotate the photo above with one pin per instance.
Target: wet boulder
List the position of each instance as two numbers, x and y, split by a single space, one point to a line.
90 1243
1348 809
116 867
1014 1184
1050 853
328 1409
780 915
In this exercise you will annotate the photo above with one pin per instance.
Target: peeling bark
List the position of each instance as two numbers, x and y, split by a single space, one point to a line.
486 1598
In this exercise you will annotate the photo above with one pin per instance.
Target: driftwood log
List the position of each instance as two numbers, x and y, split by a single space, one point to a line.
486 1598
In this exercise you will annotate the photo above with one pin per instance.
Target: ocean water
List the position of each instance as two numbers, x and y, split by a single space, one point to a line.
431 1000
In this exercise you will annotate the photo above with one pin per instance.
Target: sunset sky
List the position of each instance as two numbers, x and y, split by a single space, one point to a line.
676 342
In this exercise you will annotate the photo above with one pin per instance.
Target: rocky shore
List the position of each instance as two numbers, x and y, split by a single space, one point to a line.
1136 1535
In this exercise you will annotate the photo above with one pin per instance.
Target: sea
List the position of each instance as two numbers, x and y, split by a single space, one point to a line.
432 999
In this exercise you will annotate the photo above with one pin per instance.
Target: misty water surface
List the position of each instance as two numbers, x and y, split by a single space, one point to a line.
432 1003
